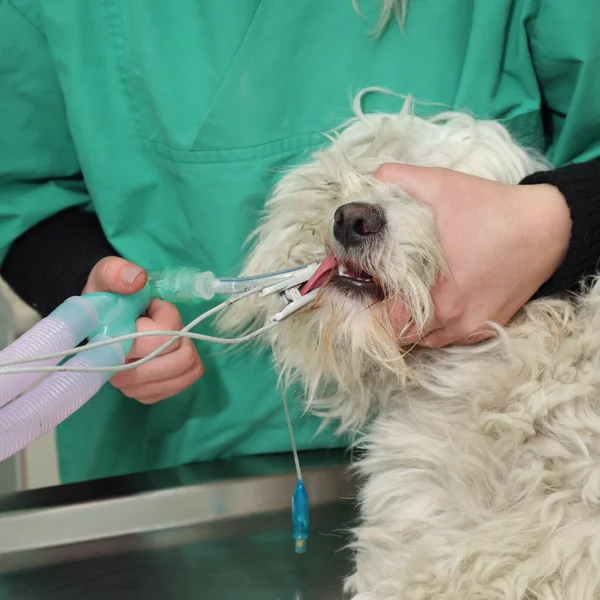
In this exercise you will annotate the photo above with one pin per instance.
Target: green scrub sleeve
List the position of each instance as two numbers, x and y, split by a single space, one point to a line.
39 172
565 46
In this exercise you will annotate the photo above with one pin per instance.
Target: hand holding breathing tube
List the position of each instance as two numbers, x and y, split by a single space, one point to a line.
121 344
177 367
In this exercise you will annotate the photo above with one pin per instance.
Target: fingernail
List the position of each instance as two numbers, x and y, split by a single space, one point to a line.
130 274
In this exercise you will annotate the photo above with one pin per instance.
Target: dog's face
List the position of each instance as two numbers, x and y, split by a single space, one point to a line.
377 247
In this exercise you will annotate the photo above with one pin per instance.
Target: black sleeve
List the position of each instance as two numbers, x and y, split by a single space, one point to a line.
51 261
580 185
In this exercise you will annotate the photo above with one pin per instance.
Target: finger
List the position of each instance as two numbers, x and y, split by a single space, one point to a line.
401 320
142 346
163 367
116 275
481 335
411 334
160 316
155 392
402 173
165 314
437 339
421 183
391 171
166 377
446 337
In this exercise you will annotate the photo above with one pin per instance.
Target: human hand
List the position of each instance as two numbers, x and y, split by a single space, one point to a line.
177 367
501 243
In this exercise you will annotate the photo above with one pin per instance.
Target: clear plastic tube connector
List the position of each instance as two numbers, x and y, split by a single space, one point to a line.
182 285
188 285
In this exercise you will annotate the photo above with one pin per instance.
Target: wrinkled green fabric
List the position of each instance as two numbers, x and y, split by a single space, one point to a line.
182 115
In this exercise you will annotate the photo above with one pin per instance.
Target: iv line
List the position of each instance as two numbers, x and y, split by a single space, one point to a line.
300 504
7 368
118 368
291 430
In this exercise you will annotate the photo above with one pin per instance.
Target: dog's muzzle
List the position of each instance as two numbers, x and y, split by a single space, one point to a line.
357 222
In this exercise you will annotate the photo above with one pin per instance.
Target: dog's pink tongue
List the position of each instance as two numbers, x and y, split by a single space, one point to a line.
321 275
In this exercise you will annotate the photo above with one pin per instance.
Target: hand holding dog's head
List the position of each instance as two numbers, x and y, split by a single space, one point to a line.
501 243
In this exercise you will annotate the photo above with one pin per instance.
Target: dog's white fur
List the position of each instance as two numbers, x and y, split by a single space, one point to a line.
481 471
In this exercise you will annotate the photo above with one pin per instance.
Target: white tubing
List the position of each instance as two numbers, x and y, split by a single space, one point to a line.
62 330
41 409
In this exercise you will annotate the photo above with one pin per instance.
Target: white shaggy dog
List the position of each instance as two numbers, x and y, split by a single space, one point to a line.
481 471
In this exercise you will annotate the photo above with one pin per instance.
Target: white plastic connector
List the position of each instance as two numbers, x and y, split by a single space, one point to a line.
302 276
295 302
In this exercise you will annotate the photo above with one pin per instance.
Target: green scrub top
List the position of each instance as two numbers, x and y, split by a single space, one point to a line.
182 115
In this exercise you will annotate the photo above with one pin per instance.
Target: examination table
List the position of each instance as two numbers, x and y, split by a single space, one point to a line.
215 531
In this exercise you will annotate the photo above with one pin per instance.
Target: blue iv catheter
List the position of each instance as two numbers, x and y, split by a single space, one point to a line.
31 404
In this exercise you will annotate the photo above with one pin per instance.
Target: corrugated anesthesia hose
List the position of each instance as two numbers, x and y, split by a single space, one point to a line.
27 414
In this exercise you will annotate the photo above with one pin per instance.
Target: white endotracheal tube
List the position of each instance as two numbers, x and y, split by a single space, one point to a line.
33 402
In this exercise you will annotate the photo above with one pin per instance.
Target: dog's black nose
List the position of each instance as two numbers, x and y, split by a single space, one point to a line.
355 222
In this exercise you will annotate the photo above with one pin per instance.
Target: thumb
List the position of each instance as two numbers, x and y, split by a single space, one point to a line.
116 275
418 182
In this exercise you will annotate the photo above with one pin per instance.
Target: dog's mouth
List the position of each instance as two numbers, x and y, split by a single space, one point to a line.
333 272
